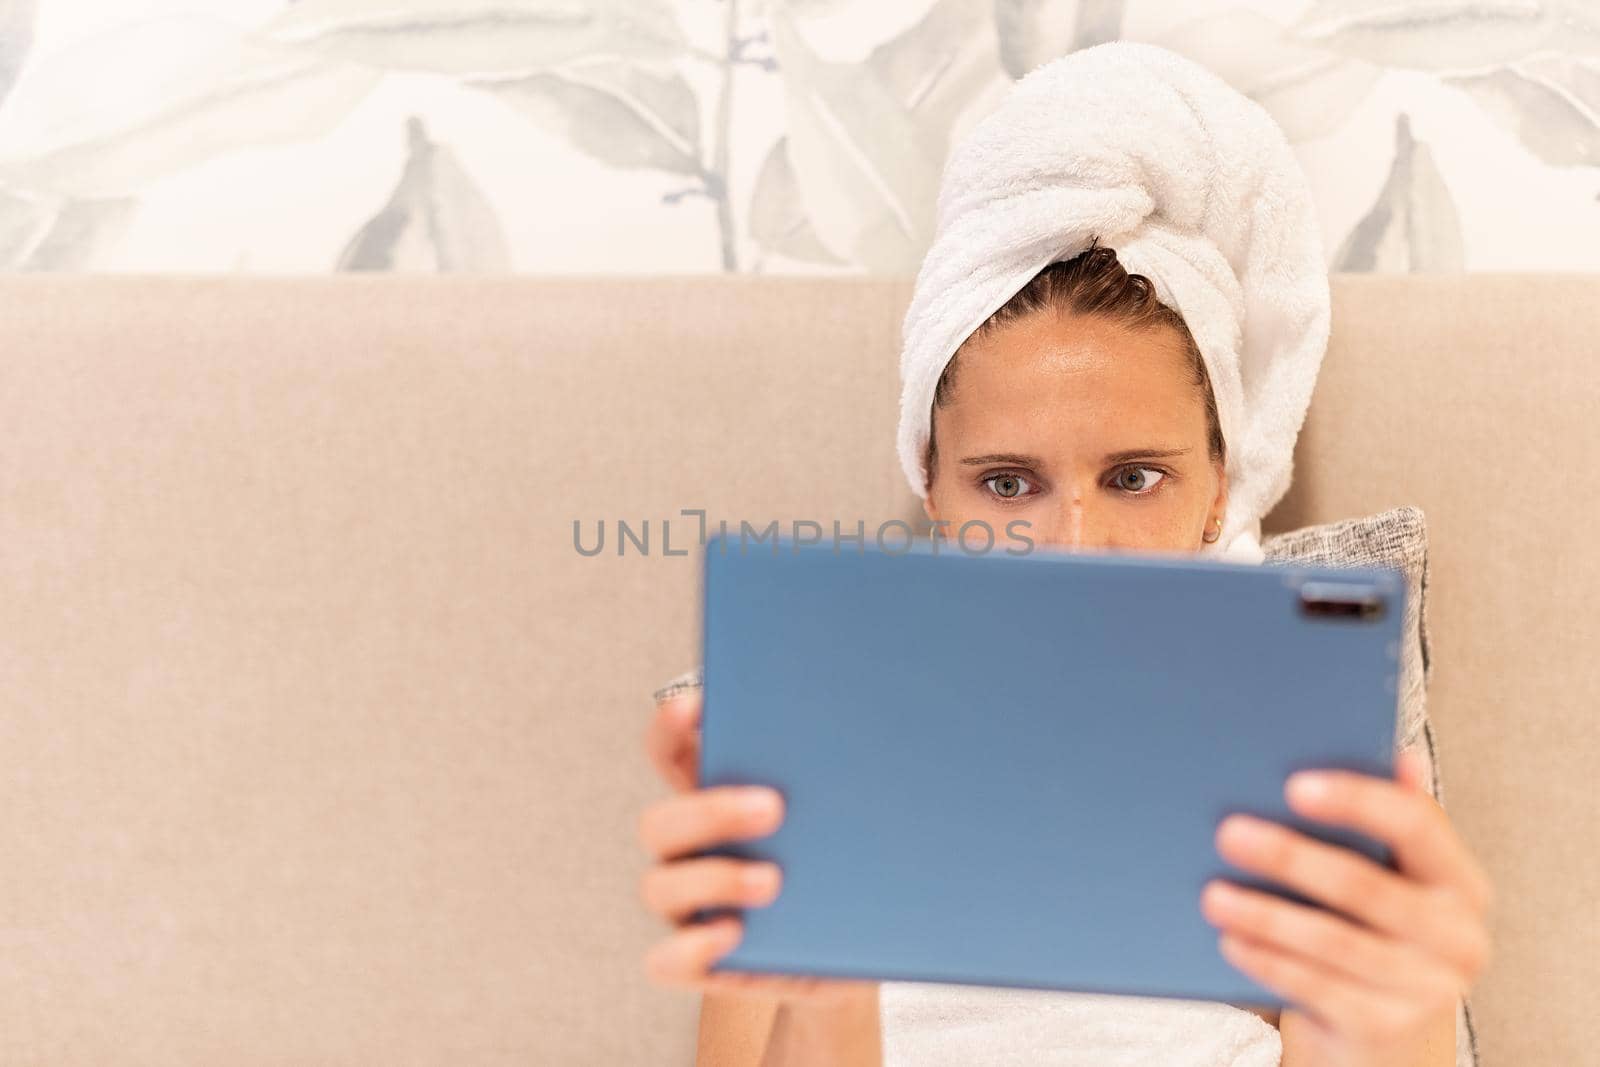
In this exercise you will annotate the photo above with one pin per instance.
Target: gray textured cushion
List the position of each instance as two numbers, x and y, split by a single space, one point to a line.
1395 538
690 679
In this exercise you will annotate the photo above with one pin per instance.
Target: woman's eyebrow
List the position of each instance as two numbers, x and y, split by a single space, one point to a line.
1002 457
1116 457
1146 453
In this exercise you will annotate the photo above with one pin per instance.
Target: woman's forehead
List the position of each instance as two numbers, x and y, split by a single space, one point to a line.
1046 369
1073 344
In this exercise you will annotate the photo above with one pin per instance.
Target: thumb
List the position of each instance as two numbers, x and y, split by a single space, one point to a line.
683 710
1408 770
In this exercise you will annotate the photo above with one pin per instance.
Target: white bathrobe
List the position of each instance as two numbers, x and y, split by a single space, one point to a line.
928 1024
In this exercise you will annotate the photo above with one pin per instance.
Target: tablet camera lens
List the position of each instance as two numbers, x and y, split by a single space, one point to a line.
1323 600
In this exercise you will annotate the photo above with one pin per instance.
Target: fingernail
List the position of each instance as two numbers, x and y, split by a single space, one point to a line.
760 801
762 878
1309 786
1242 828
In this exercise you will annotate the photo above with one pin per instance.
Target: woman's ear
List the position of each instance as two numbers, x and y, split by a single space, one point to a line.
1219 503
930 509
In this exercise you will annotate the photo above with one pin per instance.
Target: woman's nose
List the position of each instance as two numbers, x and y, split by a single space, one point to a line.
1075 527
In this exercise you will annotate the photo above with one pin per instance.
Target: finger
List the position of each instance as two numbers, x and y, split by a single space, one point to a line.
672 739
676 890
684 957
677 760
690 822
683 708
1436 919
1355 951
1425 844
1409 770
685 771
1333 999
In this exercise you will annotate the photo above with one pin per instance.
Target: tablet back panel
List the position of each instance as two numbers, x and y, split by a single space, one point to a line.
1008 770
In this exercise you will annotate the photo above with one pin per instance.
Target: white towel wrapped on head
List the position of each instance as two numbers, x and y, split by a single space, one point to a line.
1195 187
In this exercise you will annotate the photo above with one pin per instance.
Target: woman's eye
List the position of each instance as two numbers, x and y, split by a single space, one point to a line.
1139 479
1006 486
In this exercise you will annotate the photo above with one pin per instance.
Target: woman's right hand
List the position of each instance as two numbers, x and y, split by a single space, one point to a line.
679 883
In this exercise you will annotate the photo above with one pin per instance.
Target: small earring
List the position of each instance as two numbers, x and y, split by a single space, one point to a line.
1213 539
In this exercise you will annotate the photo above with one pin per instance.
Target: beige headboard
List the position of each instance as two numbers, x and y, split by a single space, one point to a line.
322 741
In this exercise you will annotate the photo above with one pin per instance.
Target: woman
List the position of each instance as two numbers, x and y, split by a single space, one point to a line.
1108 418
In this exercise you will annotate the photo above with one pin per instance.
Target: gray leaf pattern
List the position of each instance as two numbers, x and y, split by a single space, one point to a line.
1098 21
851 177
1309 90
43 233
79 229
614 111
1413 226
867 170
1036 31
480 37
1551 103
1441 35
16 36
436 220
778 220
230 92
24 220
940 66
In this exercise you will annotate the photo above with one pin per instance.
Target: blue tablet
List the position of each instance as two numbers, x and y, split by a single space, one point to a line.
1009 769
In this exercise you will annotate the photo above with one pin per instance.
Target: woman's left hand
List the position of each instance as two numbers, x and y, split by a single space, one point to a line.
1371 980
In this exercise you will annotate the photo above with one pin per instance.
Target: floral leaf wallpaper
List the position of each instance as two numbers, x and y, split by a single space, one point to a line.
16 34
1309 89
778 218
1451 34
1551 103
478 36
1036 31
865 166
614 111
167 94
436 220
942 65
1414 224
756 136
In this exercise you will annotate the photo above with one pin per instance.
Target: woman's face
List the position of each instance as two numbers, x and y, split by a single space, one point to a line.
1093 434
